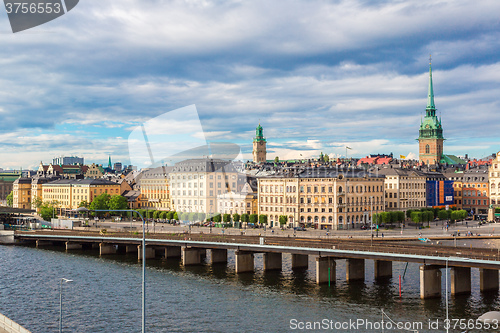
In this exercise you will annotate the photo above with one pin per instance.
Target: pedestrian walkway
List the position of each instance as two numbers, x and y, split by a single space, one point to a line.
9 326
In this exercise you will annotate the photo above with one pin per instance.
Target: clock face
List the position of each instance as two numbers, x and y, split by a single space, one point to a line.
427 126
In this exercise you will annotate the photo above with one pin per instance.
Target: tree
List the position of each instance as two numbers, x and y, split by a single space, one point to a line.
227 218
84 203
326 158
416 217
253 218
176 216
117 202
263 219
443 214
47 212
385 217
156 214
408 213
244 217
401 216
163 215
170 215
10 199
217 218
202 216
283 220
38 203
236 217
184 216
100 202
276 159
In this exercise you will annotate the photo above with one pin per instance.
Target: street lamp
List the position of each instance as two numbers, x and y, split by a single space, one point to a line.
83 209
60 302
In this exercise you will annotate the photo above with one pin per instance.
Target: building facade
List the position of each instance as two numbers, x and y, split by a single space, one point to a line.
68 160
475 191
323 198
259 146
21 190
155 189
494 181
404 189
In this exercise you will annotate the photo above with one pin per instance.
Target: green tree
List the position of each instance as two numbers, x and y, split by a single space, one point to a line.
117 202
401 216
326 158
176 216
163 215
227 218
100 202
217 218
156 214
47 212
253 218
263 219
283 220
84 203
202 216
408 213
416 217
236 217
10 199
170 215
442 214
385 217
276 159
244 217
38 203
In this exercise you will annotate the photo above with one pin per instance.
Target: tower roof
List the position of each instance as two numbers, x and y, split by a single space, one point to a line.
430 95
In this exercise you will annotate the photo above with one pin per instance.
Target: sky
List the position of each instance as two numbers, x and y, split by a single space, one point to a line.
318 75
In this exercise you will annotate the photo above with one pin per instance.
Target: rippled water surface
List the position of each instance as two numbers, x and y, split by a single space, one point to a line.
106 295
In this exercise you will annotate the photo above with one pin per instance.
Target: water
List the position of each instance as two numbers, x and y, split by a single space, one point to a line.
106 295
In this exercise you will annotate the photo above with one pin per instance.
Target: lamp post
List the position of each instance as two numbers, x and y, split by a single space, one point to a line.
81 209
60 302
371 219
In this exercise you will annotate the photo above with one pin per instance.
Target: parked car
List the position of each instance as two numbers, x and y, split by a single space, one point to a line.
300 229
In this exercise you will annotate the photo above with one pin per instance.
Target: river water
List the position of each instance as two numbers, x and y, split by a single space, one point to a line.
105 296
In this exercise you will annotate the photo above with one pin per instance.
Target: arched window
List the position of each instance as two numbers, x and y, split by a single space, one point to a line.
427 149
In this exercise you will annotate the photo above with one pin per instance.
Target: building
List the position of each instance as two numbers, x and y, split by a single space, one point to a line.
68 160
155 191
67 171
259 146
457 177
439 190
475 191
244 202
94 171
118 166
196 183
21 193
7 179
494 181
325 198
69 193
404 189
430 137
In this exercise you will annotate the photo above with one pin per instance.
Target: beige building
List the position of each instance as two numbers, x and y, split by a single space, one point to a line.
155 189
404 189
244 202
94 171
494 181
196 183
322 198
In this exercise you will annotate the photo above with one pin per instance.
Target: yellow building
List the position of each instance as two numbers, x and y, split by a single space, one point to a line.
69 193
21 192
404 189
321 197
155 190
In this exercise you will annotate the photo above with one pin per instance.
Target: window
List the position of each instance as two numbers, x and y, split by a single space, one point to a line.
427 149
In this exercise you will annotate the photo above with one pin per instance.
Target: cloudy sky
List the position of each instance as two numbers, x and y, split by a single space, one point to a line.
317 74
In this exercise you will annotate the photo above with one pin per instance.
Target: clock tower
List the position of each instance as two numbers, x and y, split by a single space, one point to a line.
259 146
430 137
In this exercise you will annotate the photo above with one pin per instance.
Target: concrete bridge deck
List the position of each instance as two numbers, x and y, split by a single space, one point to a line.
327 252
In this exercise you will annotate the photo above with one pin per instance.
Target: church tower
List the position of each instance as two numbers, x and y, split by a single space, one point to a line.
259 146
430 137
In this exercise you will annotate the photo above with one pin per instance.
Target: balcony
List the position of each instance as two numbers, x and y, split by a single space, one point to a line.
340 193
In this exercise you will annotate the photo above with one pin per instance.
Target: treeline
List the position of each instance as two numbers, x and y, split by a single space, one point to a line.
419 216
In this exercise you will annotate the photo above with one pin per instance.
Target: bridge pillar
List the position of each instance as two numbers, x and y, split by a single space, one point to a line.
460 280
73 246
41 243
325 270
355 269
172 252
191 256
105 248
203 254
272 261
300 261
383 269
430 281
131 248
488 279
244 261
219 256
150 252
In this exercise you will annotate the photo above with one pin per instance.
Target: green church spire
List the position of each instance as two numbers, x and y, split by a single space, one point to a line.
109 162
431 108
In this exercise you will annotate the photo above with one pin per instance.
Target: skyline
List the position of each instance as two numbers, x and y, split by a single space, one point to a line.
318 76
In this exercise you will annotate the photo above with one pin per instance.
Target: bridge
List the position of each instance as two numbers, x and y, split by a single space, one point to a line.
192 248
